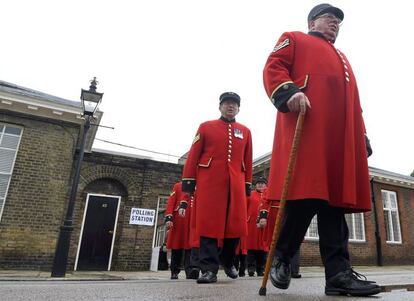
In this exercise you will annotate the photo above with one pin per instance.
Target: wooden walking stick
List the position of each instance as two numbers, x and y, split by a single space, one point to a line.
281 212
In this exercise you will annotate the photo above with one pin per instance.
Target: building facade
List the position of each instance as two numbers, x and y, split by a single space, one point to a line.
39 134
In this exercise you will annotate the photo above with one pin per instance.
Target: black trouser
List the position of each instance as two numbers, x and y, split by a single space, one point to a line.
332 228
240 263
162 259
294 262
210 257
176 258
194 259
256 260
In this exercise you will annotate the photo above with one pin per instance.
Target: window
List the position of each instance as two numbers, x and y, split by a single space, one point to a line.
9 144
392 220
160 227
355 223
312 232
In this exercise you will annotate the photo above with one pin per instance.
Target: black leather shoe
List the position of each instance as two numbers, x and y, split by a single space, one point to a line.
207 277
242 274
280 274
296 275
193 274
174 276
231 272
251 274
260 274
345 283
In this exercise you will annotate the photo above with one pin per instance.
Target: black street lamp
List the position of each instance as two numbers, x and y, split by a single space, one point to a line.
90 102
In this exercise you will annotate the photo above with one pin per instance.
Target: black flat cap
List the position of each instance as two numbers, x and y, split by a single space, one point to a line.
261 180
230 95
324 8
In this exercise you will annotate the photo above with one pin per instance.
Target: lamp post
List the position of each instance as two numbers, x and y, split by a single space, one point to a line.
90 102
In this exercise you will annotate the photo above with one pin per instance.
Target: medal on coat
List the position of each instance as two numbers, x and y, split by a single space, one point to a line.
238 133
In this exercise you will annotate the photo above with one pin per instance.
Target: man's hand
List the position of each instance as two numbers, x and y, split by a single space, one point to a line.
181 212
169 225
262 223
298 102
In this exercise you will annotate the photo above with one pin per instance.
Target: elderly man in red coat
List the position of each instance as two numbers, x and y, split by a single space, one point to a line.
219 166
306 72
256 249
178 240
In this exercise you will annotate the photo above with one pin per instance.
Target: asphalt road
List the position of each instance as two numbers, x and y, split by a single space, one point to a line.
310 287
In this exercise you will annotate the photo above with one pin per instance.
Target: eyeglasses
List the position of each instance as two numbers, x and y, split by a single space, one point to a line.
330 17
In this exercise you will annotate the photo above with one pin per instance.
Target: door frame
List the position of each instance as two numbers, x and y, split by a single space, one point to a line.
83 224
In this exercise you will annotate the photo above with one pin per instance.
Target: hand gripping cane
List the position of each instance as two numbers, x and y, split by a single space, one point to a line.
276 230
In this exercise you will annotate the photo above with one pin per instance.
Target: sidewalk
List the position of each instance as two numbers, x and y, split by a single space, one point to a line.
388 276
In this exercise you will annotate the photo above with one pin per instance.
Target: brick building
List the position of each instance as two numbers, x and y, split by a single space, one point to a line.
383 236
38 150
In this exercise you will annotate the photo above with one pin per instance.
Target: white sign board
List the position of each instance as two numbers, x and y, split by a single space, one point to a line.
141 216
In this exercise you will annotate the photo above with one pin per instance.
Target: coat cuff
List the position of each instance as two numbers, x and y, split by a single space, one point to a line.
281 96
248 188
188 185
168 218
183 205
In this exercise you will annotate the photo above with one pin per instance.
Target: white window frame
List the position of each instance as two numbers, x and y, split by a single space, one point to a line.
388 210
352 228
2 135
159 232
313 228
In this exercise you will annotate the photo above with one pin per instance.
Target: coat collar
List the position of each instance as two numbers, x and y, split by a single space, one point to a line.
227 120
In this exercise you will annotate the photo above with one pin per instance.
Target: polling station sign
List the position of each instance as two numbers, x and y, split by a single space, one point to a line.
141 216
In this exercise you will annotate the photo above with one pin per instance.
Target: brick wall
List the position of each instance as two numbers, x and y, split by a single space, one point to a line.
37 193
139 182
395 254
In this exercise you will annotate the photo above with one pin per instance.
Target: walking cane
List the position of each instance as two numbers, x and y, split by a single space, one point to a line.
276 230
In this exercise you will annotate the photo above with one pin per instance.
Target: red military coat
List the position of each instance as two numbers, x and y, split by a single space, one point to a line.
332 160
179 234
194 239
219 163
254 234
271 209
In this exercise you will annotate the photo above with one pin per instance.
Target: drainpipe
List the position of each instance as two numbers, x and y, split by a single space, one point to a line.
377 233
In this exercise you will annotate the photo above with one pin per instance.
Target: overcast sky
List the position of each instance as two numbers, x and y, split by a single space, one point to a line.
162 65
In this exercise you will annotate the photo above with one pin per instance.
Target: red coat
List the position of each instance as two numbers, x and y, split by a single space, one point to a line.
219 164
254 234
241 248
194 239
331 160
271 207
179 234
